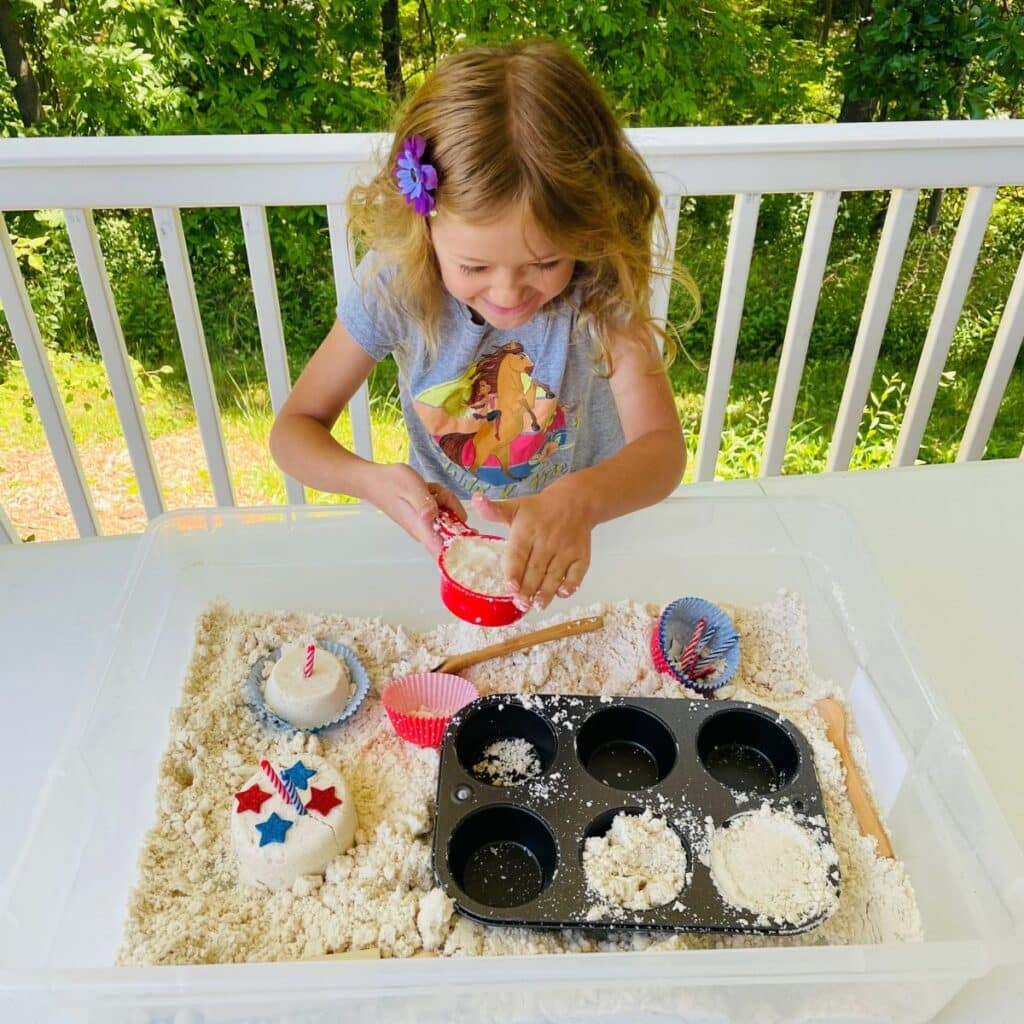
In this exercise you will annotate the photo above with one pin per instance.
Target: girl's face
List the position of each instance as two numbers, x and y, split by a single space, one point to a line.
504 269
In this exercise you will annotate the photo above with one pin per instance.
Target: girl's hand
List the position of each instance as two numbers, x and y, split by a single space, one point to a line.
548 549
401 493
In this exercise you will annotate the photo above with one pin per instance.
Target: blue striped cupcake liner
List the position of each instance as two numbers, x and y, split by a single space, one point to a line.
720 641
254 684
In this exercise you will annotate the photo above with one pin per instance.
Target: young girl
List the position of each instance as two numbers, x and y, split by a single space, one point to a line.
508 272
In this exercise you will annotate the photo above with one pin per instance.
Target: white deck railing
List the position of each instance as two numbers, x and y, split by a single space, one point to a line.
254 172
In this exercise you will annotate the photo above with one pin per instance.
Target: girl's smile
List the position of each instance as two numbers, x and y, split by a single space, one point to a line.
506 311
504 270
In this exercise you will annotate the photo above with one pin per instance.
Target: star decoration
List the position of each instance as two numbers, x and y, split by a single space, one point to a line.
273 829
323 801
299 775
251 799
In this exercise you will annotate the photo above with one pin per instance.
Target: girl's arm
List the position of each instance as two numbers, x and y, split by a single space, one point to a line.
302 444
549 543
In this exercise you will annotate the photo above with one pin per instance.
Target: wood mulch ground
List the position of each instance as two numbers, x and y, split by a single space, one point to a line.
33 497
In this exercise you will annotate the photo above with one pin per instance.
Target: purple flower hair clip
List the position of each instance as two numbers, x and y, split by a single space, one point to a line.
416 180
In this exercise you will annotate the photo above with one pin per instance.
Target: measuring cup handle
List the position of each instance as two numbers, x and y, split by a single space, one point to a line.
449 526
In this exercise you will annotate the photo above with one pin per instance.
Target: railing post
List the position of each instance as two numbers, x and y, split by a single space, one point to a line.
893 244
268 316
727 328
8 534
810 273
174 253
343 260
997 373
959 268
661 292
96 285
29 344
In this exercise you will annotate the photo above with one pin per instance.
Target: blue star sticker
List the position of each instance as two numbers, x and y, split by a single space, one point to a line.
273 829
298 775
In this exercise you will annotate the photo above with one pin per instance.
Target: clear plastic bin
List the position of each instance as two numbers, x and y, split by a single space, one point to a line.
63 909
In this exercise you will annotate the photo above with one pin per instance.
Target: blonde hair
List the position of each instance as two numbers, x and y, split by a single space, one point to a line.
523 126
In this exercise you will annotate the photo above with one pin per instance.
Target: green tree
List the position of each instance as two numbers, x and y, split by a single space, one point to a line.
663 62
925 59
125 67
14 48
265 66
110 64
932 59
859 98
391 48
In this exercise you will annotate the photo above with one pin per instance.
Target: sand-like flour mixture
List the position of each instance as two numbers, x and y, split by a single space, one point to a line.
188 906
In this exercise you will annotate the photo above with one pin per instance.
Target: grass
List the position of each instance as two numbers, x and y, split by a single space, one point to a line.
746 421
247 415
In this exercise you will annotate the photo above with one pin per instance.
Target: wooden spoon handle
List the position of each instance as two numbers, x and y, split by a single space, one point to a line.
574 627
870 824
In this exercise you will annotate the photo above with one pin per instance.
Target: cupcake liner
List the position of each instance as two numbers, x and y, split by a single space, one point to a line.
656 656
254 684
404 696
675 627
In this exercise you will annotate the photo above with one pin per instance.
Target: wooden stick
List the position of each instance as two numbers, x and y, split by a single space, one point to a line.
833 716
574 627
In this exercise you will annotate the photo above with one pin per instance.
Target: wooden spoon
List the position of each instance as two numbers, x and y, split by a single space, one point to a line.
832 715
457 662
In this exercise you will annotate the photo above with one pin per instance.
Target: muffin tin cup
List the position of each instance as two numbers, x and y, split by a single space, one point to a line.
254 684
513 854
470 605
672 633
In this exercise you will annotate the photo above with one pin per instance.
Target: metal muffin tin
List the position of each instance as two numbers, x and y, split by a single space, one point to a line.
513 854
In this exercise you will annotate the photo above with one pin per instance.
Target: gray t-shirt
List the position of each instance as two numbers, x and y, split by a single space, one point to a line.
500 413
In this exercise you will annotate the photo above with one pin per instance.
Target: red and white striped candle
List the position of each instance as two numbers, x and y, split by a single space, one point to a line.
310 655
268 770
689 656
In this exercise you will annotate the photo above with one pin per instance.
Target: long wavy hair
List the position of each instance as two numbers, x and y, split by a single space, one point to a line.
524 127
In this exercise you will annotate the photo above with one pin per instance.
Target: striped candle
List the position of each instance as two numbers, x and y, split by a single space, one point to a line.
285 787
293 796
689 656
310 655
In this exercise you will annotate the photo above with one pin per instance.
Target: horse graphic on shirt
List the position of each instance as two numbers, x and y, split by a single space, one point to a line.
508 409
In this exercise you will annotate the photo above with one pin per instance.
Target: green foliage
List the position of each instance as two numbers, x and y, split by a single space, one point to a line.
84 388
924 59
266 66
848 271
712 63
745 428
109 64
125 67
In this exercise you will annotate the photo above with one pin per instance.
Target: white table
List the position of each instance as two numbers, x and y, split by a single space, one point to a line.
947 541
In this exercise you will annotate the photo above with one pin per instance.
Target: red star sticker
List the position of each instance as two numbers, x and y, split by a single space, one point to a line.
323 801
251 799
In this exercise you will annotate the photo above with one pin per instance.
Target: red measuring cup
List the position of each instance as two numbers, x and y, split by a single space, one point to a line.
470 605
